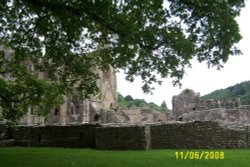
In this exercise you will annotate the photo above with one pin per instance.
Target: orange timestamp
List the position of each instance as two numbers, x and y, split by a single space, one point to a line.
199 155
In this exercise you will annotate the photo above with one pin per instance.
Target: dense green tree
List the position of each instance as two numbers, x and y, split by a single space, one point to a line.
163 104
70 38
139 102
130 102
241 89
129 98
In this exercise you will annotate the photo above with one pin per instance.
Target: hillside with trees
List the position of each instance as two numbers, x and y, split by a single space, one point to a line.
129 102
240 89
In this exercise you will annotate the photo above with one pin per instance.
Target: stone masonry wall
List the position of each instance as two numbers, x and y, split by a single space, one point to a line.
239 115
121 138
4 133
198 135
56 136
156 136
5 136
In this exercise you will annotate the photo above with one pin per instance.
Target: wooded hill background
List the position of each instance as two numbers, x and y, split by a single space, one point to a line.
241 89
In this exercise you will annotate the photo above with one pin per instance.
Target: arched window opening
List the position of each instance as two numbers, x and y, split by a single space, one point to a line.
96 118
57 111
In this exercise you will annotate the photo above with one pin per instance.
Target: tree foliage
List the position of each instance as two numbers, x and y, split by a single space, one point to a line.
240 89
129 102
163 104
70 38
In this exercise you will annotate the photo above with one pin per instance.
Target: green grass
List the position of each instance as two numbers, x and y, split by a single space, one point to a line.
62 157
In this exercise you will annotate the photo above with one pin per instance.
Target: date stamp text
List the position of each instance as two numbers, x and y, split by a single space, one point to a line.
199 155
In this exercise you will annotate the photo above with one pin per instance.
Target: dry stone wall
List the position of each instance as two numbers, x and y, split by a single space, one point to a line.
56 136
121 138
3 132
152 136
198 135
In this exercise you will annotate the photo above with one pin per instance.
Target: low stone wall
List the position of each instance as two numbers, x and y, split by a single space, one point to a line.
173 135
121 138
56 136
4 132
198 135
7 143
5 136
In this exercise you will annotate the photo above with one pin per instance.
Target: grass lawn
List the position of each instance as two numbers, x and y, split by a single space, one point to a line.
66 157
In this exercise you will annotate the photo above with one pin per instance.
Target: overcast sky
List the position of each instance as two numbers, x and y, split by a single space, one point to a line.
199 77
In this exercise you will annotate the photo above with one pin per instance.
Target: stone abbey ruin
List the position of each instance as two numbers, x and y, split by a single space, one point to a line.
188 106
193 123
99 123
104 109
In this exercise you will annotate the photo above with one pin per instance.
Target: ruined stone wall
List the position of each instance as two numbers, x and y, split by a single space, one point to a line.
32 119
235 115
188 106
4 133
156 136
107 84
72 111
121 138
198 135
55 136
143 116
185 102
228 103
81 111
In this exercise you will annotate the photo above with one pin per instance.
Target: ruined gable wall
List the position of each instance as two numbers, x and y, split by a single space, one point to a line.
107 97
187 101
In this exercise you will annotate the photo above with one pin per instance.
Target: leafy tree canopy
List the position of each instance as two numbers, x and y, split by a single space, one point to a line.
129 102
240 89
163 104
70 38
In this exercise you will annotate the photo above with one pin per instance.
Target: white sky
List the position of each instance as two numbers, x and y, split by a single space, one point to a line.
199 77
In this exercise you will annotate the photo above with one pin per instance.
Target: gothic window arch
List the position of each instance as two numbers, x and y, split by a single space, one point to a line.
32 110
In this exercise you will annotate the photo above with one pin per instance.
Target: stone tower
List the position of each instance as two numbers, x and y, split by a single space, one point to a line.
74 111
187 101
86 111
